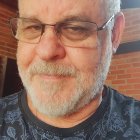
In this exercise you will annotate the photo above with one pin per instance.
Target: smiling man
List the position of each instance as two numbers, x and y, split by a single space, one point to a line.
64 53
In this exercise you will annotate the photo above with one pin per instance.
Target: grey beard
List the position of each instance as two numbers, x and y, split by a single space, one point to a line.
85 89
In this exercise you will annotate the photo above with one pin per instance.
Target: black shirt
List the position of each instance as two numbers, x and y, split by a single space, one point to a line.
117 118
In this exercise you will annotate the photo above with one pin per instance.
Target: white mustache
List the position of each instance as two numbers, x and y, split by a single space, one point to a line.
51 68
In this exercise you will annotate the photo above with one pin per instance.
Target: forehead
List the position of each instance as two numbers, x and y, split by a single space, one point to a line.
54 10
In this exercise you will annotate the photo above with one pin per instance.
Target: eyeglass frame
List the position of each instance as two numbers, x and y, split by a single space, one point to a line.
102 27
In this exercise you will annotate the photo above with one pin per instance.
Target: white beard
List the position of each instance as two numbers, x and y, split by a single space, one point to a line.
50 99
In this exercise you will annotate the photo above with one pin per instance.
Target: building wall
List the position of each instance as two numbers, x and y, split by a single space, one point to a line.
7 42
124 74
132 27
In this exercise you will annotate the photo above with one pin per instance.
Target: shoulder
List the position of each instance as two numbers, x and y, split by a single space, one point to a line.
124 104
124 114
9 108
12 122
8 101
122 100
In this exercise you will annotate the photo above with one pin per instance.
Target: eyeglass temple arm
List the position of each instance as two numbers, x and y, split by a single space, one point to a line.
105 24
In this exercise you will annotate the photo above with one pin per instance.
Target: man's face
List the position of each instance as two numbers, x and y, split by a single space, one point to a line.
59 80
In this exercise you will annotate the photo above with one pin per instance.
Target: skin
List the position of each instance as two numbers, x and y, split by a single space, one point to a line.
85 61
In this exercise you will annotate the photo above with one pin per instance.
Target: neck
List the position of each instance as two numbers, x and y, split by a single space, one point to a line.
69 120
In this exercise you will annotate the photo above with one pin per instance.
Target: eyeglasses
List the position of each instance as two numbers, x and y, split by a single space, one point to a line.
70 33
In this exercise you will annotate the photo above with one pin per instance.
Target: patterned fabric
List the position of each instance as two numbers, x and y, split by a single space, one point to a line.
117 118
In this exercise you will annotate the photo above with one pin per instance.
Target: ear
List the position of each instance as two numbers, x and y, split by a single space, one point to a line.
117 31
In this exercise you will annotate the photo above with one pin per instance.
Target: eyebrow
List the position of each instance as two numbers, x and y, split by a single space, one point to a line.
75 18
64 19
32 17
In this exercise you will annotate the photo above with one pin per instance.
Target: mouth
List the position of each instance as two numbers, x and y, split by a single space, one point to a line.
48 78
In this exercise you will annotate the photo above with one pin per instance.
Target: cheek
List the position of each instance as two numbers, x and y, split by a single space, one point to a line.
85 60
25 55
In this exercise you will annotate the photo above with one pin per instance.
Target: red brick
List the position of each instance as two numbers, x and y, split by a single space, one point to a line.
125 87
116 62
5 36
133 70
124 76
111 77
133 60
118 82
137 86
122 91
128 69
132 23
135 75
113 67
136 64
131 92
127 55
117 72
124 66
135 80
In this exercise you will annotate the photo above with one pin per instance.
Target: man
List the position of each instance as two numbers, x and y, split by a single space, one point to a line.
64 53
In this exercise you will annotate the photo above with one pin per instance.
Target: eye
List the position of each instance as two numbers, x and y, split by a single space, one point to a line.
33 27
76 29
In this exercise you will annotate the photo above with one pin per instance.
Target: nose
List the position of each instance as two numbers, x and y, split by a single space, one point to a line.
49 47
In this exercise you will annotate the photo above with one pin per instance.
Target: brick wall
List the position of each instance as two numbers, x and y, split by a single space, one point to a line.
7 42
132 29
124 74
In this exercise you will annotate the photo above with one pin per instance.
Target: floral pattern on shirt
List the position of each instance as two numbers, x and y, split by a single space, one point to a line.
121 121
